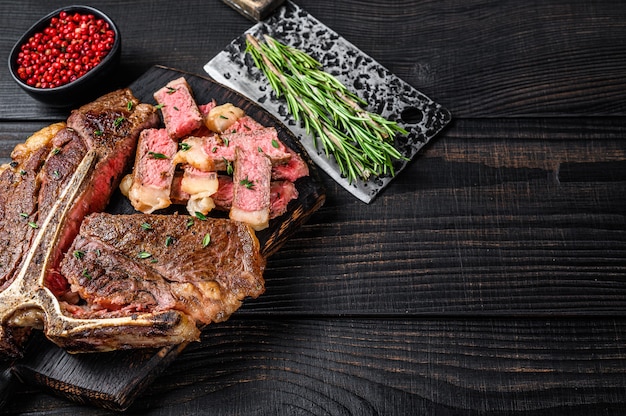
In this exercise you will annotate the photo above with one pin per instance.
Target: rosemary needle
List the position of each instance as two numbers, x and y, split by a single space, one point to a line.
361 142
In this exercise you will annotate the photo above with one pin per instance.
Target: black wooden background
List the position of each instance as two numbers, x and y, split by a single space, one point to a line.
490 278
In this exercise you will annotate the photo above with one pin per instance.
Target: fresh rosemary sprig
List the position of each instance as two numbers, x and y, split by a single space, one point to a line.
361 142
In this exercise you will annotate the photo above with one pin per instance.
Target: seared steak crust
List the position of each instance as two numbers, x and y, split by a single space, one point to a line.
152 263
19 185
109 127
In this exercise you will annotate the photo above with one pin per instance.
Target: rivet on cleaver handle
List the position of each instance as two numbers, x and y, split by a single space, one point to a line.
255 10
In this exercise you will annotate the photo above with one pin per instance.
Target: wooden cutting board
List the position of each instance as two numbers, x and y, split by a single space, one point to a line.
113 380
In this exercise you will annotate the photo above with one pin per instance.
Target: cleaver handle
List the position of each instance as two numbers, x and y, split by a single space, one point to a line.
255 10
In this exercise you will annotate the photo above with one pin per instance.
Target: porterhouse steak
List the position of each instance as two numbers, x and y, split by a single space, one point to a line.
80 287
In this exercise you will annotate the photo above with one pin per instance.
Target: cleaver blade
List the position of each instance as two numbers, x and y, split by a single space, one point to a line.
385 93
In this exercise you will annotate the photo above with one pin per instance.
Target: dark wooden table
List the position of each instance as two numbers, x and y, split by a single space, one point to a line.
490 278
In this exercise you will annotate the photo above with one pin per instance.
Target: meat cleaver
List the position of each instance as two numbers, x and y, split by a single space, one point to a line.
386 94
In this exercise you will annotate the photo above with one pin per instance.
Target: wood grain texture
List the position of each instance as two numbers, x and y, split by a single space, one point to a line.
477 58
488 279
114 380
388 367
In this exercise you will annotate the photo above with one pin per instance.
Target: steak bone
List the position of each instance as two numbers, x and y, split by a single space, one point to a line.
28 303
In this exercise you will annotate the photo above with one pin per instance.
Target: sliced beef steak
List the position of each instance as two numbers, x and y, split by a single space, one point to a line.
180 111
99 282
124 264
54 180
251 189
108 127
153 172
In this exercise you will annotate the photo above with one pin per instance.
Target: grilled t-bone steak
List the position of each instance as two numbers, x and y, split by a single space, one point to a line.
124 281
47 190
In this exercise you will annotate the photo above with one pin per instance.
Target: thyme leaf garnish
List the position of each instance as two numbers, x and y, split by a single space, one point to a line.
247 183
155 155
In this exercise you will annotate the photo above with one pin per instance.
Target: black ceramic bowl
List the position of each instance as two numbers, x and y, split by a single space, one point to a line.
83 88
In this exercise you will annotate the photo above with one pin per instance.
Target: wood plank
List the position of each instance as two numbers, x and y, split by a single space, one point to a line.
476 58
460 252
475 225
482 58
387 366
518 209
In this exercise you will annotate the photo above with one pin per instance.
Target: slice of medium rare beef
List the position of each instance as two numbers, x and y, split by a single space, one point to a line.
223 198
125 264
217 152
256 152
291 170
107 129
245 124
281 194
263 140
206 108
153 171
179 109
251 189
